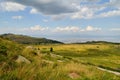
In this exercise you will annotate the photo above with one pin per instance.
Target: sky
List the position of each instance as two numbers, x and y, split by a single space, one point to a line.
63 20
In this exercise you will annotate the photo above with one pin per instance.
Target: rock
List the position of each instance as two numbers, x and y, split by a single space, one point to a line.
29 47
22 59
60 61
73 75
54 55
37 53
47 61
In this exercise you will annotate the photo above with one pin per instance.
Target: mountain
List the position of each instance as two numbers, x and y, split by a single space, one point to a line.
28 40
96 42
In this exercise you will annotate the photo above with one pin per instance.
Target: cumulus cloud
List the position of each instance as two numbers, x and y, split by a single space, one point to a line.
17 17
115 29
38 28
34 11
84 12
89 11
114 3
11 6
68 29
90 28
110 13
60 9
76 29
49 7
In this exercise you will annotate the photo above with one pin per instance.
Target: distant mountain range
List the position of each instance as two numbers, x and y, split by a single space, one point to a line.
28 39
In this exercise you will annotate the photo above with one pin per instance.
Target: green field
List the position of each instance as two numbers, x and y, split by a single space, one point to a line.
65 62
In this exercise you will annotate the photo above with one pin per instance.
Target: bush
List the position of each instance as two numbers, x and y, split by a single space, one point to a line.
51 49
3 49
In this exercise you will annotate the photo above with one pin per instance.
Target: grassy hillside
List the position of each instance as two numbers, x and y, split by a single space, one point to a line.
8 51
28 40
65 62
7 48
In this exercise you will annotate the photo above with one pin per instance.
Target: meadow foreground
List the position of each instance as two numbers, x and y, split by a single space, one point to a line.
64 62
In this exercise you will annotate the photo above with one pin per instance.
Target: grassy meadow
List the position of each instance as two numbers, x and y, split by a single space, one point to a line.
65 62
98 54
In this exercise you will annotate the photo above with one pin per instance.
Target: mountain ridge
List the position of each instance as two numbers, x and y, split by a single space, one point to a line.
24 39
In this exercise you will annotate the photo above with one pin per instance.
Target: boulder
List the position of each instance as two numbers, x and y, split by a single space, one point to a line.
73 75
21 59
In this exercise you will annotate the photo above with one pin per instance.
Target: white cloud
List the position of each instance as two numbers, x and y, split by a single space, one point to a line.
114 3
34 11
38 28
76 29
84 12
60 9
17 17
11 6
49 7
115 29
68 29
88 11
91 28
110 13
65 29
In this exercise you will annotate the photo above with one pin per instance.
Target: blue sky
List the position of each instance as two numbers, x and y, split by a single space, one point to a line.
64 20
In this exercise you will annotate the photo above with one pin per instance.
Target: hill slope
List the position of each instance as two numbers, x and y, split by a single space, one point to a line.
27 39
9 49
66 62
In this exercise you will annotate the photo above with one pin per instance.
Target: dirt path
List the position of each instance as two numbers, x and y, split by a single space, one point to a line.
110 71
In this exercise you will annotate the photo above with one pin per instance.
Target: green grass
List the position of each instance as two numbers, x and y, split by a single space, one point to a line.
97 54
65 59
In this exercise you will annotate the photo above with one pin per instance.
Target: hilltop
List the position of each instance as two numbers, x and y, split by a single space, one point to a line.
28 39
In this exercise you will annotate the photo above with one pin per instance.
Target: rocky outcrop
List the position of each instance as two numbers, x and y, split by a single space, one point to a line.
21 59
